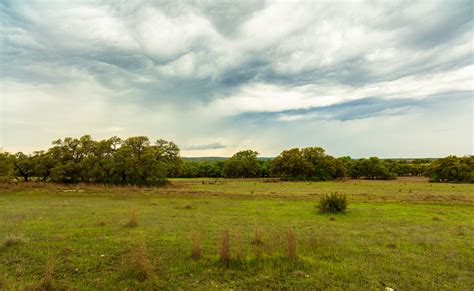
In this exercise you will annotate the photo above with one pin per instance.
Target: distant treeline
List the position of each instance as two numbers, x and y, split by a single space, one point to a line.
138 161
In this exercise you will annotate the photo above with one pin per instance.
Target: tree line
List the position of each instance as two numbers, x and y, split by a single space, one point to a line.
133 161
139 161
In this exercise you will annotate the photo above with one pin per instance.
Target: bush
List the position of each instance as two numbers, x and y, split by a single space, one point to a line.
333 203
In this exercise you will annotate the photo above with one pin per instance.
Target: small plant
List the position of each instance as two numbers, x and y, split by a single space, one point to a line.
132 218
333 203
14 239
224 253
291 245
258 242
47 283
139 264
196 249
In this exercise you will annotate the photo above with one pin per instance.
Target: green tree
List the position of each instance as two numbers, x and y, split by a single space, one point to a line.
243 164
6 165
452 169
23 166
290 165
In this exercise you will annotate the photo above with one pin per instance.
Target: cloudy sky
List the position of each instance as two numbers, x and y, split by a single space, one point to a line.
359 78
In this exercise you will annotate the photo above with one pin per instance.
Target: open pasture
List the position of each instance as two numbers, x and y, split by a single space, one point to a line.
403 234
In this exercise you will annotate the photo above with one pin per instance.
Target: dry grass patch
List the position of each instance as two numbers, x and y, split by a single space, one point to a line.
225 253
258 243
13 240
138 264
291 245
48 280
132 218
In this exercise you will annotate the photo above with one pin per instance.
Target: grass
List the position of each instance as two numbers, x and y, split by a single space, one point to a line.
14 239
132 218
196 248
389 237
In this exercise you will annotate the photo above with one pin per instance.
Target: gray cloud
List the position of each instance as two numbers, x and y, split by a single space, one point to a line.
191 69
361 108
211 146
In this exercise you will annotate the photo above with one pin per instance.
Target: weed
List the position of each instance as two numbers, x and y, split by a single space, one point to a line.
132 218
291 245
258 242
224 253
139 265
47 283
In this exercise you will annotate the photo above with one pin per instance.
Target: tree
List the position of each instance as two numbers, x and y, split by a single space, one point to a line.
309 163
452 169
372 168
69 155
243 164
23 166
167 154
6 165
290 165
43 163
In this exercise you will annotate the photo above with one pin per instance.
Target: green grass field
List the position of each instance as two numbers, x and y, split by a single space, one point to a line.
407 234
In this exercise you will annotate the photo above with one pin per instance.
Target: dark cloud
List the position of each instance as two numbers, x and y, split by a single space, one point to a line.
359 109
170 62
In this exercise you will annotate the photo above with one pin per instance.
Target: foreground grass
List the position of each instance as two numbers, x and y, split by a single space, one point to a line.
406 234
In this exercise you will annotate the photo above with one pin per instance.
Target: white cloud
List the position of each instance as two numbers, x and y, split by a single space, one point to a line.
194 71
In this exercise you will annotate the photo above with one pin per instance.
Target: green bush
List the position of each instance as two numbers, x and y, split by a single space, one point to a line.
333 203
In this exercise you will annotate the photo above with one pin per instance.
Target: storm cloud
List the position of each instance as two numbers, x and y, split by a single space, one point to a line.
220 76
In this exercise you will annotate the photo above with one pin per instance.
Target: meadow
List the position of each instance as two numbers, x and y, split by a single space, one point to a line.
404 234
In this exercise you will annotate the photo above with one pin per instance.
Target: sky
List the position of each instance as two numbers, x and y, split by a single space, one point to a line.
358 78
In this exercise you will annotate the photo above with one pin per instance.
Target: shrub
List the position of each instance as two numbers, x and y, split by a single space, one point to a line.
333 203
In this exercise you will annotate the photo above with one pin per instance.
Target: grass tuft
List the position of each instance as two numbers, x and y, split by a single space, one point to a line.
14 239
224 253
48 280
258 243
291 245
196 248
138 265
132 218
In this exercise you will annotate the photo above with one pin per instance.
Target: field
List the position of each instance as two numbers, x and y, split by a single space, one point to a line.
405 234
